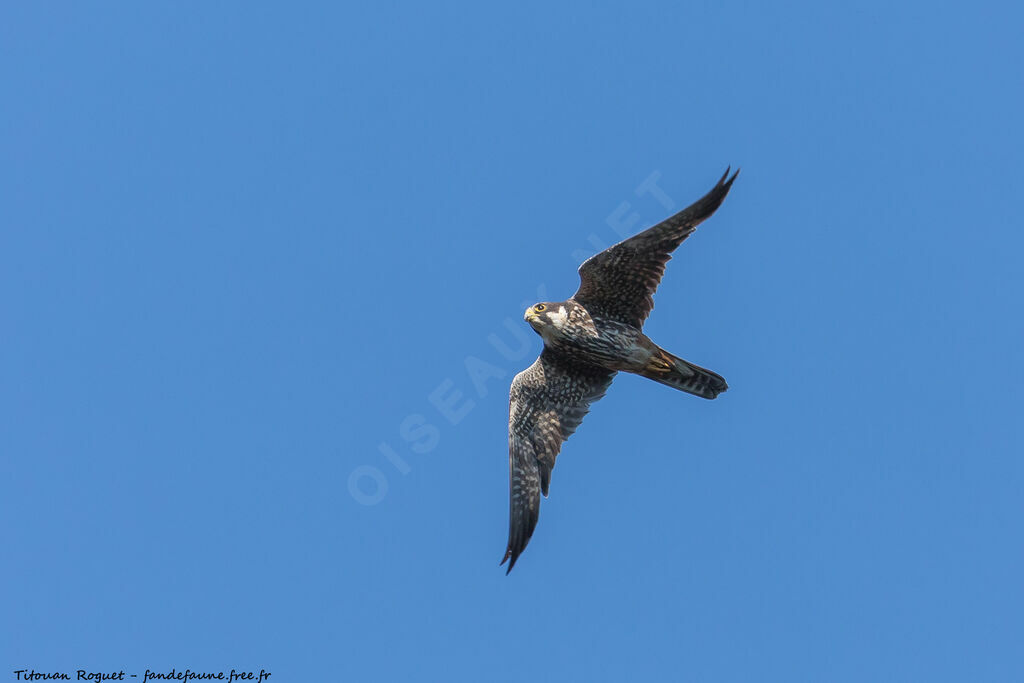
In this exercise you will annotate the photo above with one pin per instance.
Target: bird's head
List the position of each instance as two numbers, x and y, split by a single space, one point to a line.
546 317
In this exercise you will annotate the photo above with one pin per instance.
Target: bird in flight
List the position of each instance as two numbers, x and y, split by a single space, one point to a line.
587 339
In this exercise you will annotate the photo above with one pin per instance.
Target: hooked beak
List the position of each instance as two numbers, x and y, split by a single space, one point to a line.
536 320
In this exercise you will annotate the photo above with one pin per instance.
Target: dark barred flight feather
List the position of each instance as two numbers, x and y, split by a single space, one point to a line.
587 340
546 404
619 282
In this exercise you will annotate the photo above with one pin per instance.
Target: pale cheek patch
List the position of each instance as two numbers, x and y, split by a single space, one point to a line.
559 318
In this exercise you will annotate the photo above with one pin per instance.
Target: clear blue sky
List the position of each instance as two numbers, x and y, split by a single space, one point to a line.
243 246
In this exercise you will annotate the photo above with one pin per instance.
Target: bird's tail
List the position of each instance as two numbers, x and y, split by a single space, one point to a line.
679 374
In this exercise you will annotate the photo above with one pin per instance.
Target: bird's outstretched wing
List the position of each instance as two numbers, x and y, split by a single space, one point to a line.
546 404
619 282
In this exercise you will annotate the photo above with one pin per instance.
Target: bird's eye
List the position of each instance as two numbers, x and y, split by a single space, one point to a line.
539 308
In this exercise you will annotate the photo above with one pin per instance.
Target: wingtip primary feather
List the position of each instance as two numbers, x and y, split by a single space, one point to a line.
735 173
726 180
509 554
707 205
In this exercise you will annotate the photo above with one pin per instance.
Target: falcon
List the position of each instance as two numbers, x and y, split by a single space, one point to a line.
588 339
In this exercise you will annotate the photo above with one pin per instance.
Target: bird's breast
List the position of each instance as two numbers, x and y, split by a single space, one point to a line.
610 344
